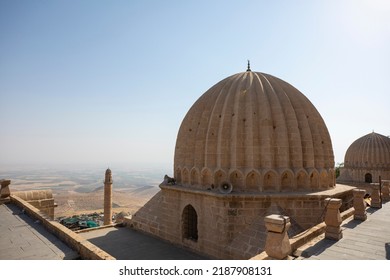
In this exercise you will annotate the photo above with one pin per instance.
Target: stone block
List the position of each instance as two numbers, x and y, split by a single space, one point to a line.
359 205
5 191
375 197
277 243
333 219
386 191
333 233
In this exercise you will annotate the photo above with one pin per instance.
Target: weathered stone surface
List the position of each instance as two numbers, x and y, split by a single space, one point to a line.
359 204
255 132
386 190
277 244
376 201
4 190
41 199
252 145
276 223
333 219
86 249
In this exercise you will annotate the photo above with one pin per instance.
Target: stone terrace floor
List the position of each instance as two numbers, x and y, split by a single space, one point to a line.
127 244
21 238
362 240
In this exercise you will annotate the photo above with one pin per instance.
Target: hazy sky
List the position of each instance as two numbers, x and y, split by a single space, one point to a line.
109 82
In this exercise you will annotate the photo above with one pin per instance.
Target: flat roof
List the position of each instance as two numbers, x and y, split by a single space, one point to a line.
128 244
362 240
22 238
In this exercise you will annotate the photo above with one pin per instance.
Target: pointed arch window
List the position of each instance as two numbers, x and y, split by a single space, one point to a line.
368 178
190 223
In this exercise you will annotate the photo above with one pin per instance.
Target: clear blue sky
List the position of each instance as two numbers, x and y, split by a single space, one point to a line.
109 82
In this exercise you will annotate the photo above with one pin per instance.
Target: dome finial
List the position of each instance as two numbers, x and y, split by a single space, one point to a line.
249 66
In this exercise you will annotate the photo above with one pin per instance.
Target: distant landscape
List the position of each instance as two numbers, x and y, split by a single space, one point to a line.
81 190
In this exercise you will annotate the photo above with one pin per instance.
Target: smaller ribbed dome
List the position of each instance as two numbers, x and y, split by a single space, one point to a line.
371 151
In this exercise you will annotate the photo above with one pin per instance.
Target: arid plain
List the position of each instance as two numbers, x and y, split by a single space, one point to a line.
81 191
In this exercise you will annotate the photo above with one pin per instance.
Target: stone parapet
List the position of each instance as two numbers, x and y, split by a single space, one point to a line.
41 199
85 248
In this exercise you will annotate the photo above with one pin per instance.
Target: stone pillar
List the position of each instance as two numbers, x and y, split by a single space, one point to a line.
333 219
4 191
385 190
375 197
277 244
108 198
359 204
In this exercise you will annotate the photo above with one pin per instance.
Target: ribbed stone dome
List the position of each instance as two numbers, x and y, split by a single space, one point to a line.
257 133
372 151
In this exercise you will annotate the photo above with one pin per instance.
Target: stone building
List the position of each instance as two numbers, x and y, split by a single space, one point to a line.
366 159
251 145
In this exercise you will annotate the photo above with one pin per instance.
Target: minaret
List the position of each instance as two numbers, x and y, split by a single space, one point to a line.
108 198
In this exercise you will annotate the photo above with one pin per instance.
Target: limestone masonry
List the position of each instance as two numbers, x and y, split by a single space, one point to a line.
108 198
251 146
366 159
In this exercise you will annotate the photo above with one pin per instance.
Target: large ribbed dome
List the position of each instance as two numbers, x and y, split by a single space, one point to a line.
372 151
257 133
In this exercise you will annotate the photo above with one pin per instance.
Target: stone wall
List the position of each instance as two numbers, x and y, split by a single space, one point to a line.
41 199
85 248
357 175
230 226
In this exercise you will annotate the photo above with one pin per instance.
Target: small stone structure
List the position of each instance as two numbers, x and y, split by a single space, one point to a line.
375 197
120 217
386 190
41 199
277 245
108 198
4 191
333 219
359 204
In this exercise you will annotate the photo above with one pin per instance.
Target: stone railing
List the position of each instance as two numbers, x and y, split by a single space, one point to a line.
279 246
83 247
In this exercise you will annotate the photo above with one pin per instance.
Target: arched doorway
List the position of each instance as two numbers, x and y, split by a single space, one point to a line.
368 178
190 223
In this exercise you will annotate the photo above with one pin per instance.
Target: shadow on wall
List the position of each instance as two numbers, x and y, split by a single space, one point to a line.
387 247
